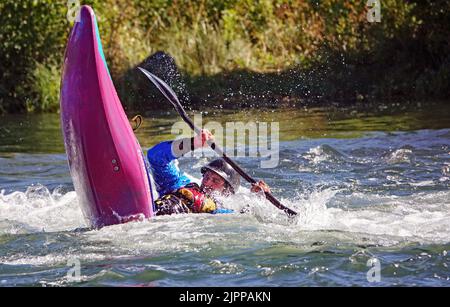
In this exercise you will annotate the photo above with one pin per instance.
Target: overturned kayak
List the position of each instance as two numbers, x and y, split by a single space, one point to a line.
105 159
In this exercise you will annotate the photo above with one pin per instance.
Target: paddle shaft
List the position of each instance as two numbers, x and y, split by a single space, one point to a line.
236 167
172 97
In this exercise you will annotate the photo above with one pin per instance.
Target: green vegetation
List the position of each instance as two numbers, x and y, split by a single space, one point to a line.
237 52
45 83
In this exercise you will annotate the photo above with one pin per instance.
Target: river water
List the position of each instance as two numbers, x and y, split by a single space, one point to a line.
371 188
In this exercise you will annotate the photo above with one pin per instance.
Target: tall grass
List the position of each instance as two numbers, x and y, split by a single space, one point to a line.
322 48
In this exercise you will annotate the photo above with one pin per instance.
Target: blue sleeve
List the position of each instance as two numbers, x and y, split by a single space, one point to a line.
222 211
164 167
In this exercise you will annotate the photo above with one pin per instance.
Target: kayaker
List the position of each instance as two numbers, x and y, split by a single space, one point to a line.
178 193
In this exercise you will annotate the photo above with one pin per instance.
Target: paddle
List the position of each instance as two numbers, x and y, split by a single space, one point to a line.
172 97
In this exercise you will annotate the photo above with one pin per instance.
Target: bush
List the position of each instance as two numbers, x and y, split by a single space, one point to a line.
31 32
45 83
324 48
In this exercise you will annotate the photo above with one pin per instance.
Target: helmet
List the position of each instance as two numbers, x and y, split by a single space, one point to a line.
224 170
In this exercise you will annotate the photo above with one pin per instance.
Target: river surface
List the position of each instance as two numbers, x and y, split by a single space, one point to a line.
371 188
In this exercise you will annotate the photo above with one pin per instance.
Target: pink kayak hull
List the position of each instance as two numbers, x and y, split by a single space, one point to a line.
105 159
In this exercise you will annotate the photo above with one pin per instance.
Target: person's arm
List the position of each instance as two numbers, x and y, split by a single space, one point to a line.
164 168
164 165
183 146
260 186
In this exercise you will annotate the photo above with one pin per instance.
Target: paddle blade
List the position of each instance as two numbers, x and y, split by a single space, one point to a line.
167 91
162 86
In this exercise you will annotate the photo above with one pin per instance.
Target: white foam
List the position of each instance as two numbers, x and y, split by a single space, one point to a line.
42 210
402 155
324 215
419 217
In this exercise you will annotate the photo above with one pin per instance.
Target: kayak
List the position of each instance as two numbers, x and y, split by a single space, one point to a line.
106 162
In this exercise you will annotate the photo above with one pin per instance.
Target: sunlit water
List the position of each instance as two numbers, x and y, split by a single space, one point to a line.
366 185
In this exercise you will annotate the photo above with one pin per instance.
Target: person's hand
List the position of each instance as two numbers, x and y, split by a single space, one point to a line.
260 186
200 140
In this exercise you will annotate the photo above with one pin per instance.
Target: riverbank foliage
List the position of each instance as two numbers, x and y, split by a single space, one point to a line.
236 52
